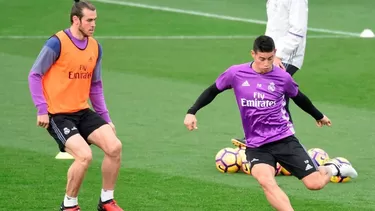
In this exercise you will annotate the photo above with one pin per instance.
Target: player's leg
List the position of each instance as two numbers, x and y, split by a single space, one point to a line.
79 149
262 167
318 179
293 157
291 69
105 139
99 133
332 169
65 132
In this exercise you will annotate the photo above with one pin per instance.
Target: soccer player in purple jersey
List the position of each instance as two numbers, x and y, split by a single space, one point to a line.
287 25
260 89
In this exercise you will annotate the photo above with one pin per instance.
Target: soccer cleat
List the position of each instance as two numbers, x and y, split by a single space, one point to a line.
75 208
238 142
344 169
109 205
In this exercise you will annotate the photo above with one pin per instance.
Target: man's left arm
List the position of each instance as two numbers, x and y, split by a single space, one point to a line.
301 100
96 90
298 16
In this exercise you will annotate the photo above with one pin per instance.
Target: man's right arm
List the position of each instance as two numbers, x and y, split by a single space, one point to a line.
46 58
205 98
222 83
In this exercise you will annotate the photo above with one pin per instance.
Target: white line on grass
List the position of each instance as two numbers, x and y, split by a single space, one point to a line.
182 37
216 16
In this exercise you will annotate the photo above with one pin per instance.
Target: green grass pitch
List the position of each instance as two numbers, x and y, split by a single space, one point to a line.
150 84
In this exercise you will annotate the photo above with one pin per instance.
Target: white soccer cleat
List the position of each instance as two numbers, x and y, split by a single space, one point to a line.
344 169
347 170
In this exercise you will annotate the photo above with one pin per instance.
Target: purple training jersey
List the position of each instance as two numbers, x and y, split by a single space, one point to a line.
261 101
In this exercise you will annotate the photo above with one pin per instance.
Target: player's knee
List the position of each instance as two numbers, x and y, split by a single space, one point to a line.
313 181
78 147
84 157
314 185
264 174
267 183
114 150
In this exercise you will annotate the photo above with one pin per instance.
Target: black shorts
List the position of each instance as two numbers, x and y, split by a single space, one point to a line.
290 68
288 152
63 126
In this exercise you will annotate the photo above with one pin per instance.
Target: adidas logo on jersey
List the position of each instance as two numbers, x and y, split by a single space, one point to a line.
246 83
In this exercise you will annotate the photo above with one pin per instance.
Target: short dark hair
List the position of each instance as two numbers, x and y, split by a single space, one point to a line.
77 8
263 43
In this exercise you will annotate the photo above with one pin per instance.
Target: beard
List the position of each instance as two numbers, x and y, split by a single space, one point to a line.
80 29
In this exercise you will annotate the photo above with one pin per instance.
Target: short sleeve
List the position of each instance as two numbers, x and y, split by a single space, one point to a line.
291 87
225 79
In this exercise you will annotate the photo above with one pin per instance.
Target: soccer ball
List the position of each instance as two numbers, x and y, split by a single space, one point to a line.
228 160
285 172
318 156
339 179
245 165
